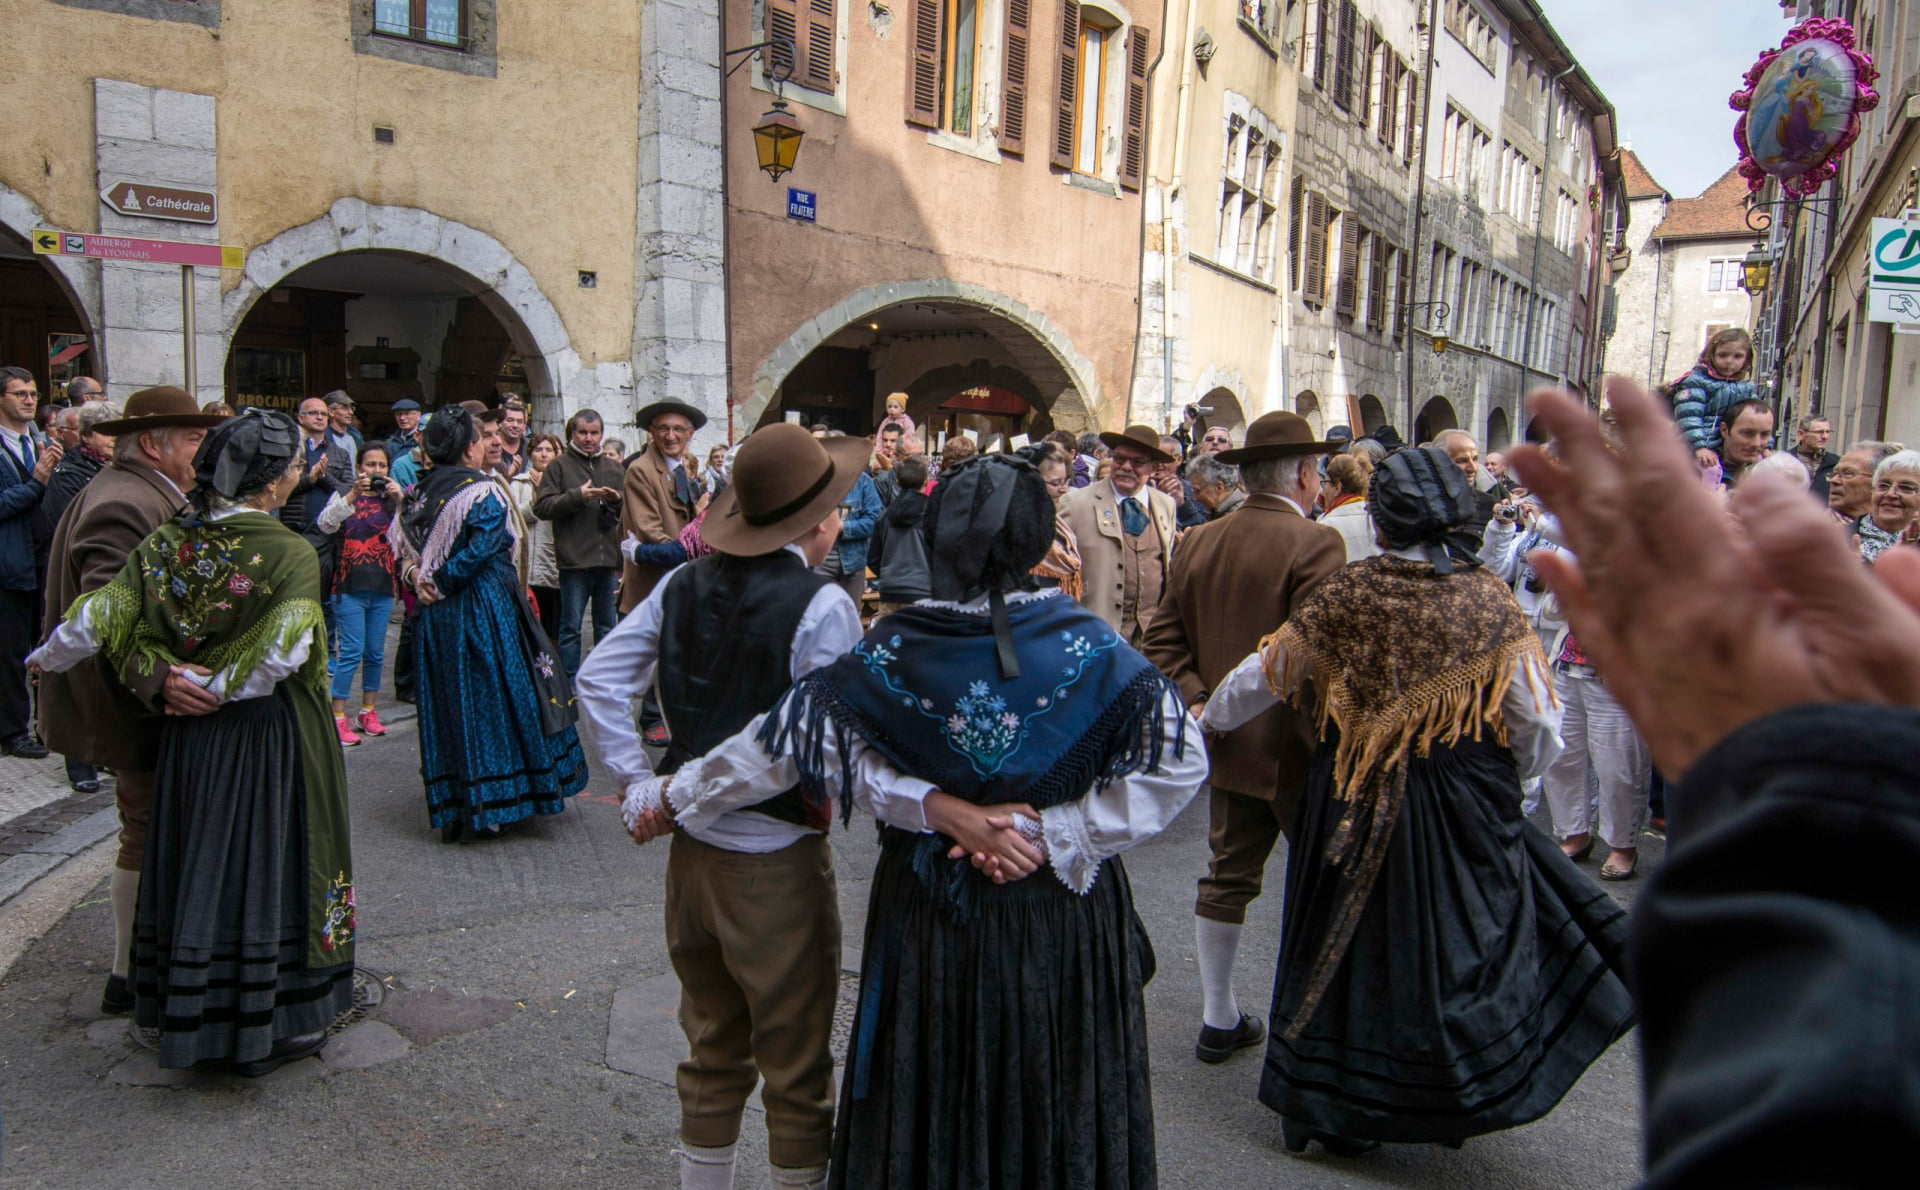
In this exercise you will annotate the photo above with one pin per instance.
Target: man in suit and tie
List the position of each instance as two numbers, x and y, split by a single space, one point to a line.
1125 527
1233 580
27 460
660 497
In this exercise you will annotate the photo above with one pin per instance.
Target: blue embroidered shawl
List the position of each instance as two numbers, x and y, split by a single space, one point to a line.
924 688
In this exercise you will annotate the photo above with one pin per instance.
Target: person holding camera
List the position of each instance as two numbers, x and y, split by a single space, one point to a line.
363 585
581 494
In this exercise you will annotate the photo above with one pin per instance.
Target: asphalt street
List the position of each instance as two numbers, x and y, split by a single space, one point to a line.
524 1035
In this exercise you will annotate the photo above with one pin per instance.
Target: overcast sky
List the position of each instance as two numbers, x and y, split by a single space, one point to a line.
1668 66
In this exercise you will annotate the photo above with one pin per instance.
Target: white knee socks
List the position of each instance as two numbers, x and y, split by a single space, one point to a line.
804 1177
1215 945
125 890
706 1169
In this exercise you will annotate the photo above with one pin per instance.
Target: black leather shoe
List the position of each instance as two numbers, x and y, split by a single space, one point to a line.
283 1052
117 1000
1296 1135
26 748
1217 1045
450 833
88 785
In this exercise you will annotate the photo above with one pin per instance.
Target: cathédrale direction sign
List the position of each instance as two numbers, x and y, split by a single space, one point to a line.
49 241
161 202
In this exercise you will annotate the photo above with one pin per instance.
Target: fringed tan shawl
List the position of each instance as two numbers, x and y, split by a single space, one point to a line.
1399 660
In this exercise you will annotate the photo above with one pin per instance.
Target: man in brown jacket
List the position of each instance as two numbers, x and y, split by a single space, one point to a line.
580 494
1232 581
661 498
1125 527
86 713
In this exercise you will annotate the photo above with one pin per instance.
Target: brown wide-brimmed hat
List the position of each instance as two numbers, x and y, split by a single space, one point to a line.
1145 437
165 407
644 418
784 481
1277 435
484 415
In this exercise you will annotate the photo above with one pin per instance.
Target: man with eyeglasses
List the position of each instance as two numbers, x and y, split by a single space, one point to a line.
1215 440
661 497
1125 527
326 468
1850 483
1811 449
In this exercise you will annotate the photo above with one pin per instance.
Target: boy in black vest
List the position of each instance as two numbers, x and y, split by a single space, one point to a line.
752 915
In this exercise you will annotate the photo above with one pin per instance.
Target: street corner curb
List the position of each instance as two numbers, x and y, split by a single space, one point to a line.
20 872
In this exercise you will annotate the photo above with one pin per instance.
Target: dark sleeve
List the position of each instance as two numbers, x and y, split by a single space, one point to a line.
552 502
877 544
20 497
1166 643
1777 956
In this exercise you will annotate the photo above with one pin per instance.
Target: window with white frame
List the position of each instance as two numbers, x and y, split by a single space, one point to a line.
1249 198
1723 274
1566 221
1472 30
1263 16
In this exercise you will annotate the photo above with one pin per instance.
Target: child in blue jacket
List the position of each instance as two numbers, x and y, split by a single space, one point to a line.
1717 382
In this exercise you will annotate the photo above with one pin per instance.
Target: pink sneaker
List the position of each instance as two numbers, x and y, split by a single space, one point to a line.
369 722
347 737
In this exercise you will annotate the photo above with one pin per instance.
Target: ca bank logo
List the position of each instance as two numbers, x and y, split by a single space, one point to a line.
1897 251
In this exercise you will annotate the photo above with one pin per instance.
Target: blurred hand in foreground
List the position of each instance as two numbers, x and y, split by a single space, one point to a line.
1699 622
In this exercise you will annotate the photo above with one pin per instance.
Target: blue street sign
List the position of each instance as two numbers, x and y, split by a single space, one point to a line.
801 204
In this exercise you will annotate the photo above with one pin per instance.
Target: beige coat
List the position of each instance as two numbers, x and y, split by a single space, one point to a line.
649 512
1093 512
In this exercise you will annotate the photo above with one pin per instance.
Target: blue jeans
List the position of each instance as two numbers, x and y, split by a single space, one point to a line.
577 587
361 617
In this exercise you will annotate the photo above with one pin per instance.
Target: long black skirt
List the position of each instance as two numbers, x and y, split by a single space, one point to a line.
220 933
1001 1037
1483 979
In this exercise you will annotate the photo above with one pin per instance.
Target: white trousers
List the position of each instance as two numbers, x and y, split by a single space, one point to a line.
1605 763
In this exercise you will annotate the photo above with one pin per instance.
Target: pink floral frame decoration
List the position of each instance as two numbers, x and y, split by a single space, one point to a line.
1800 109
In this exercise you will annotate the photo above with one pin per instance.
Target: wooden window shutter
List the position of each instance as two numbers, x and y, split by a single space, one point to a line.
1133 144
783 20
1297 222
818 73
923 67
1402 283
1413 115
1392 70
1367 39
1069 47
1343 51
1315 289
1347 298
1377 285
1320 27
1013 95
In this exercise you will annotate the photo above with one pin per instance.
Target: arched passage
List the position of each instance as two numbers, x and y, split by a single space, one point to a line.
48 304
1307 405
1536 432
398 262
1373 414
1226 411
1434 416
1499 430
966 357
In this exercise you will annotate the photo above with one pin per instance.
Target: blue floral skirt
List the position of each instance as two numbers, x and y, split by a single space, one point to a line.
484 757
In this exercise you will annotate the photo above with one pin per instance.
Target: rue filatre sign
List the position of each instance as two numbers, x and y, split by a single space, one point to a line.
143 201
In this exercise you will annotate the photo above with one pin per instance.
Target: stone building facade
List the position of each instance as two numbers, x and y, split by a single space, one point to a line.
1520 203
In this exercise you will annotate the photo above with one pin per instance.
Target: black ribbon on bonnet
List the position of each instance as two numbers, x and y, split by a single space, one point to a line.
975 514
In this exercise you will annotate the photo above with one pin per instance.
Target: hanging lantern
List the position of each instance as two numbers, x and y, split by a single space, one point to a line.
776 140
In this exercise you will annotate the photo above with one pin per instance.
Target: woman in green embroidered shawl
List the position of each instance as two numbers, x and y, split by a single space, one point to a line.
243 940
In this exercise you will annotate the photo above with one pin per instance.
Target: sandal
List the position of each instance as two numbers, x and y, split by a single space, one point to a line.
1609 872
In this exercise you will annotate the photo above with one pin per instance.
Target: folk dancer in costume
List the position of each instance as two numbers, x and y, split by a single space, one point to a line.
1444 970
995 729
1125 528
1231 581
244 934
497 742
87 713
753 913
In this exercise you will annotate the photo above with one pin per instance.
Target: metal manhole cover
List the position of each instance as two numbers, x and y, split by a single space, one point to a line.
843 1010
368 991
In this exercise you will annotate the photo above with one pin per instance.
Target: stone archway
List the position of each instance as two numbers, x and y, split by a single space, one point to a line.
1227 412
1499 430
502 283
1307 405
1058 371
77 279
1373 414
1434 416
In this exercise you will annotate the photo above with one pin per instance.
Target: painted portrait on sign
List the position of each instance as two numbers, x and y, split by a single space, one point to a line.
1801 108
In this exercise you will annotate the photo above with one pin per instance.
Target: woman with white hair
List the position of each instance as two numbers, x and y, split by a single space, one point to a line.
1896 505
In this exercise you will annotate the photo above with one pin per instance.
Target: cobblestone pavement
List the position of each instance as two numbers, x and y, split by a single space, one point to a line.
19 833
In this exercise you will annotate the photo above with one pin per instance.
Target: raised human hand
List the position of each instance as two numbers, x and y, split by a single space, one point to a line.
1699 622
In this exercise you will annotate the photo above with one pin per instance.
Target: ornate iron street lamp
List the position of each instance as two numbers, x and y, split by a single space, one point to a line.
776 138
1756 270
